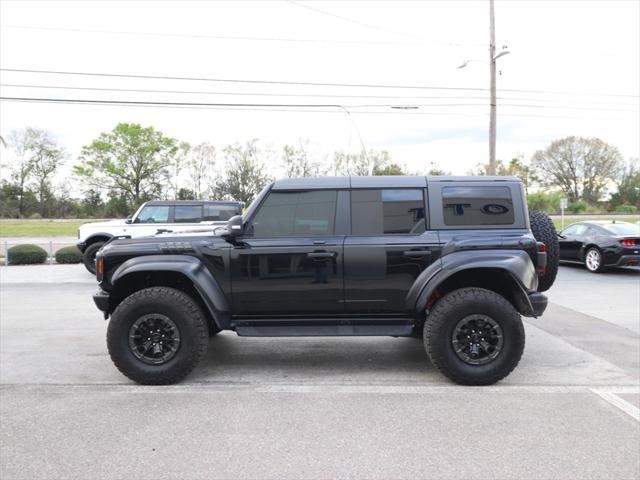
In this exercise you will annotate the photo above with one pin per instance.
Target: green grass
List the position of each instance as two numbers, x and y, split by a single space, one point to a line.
40 228
568 221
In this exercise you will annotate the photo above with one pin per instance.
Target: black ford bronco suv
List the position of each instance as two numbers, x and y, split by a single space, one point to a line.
454 261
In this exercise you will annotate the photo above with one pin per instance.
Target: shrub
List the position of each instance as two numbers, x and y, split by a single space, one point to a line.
578 207
69 255
544 201
625 209
35 216
26 254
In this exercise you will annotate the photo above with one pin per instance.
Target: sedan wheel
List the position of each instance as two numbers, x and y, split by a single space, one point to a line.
593 260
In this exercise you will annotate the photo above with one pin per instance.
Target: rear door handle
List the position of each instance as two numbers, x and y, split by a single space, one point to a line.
417 253
320 255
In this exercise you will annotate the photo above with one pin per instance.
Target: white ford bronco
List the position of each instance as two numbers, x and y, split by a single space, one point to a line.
153 218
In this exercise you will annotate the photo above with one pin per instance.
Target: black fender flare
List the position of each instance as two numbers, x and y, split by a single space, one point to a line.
516 263
191 267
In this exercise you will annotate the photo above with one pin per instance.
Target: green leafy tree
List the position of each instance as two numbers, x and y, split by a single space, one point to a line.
390 169
92 204
435 170
130 161
580 167
629 185
244 175
516 167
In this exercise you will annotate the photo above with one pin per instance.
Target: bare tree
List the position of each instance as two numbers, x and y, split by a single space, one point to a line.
299 162
200 167
360 164
46 157
22 166
580 167
37 157
244 174
173 170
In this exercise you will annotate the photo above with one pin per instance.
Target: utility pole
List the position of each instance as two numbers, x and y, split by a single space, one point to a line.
493 101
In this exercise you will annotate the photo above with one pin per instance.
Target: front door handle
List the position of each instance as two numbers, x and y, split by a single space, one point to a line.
417 253
317 255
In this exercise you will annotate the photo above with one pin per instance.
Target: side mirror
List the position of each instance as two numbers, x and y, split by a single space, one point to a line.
235 227
128 220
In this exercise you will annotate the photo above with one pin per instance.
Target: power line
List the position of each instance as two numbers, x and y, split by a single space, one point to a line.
210 37
315 108
299 83
233 80
299 95
585 108
373 27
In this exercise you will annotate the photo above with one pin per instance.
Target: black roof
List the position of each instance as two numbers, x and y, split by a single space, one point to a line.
391 181
194 202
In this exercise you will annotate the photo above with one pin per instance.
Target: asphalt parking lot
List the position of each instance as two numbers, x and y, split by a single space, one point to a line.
319 407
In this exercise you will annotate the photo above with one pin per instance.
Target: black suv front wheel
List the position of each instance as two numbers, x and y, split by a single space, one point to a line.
474 336
156 336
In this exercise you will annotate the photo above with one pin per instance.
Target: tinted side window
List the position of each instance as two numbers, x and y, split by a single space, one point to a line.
188 213
387 211
570 230
474 205
581 229
296 213
153 214
214 213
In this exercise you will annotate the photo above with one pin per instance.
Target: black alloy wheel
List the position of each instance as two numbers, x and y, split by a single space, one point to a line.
154 339
477 339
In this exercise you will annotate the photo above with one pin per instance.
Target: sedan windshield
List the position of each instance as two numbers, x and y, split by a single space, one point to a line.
623 228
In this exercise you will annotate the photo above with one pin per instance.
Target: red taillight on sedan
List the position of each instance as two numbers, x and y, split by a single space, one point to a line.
628 242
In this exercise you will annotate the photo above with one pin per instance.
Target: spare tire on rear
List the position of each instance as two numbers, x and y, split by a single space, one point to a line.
545 231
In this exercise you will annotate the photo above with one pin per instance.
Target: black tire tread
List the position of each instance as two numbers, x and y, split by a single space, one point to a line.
86 256
190 308
544 230
436 323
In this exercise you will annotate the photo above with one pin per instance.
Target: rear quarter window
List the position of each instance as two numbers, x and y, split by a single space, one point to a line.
470 205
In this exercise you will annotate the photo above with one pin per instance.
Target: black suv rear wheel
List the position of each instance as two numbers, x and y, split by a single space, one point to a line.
474 336
544 230
156 336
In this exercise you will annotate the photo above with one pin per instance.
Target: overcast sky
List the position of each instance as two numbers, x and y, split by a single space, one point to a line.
573 69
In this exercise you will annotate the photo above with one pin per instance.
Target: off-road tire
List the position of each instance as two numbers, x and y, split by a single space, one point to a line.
89 256
182 310
600 267
453 307
545 231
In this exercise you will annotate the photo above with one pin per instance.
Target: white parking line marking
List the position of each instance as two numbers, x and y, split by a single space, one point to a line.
616 401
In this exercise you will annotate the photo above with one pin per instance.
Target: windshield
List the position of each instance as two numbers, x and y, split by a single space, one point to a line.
623 228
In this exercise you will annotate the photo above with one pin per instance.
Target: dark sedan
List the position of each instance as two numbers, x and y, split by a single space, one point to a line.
601 244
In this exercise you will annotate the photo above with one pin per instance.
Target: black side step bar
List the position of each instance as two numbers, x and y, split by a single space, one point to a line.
373 329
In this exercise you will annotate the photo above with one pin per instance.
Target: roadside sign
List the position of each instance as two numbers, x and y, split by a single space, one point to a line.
564 203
